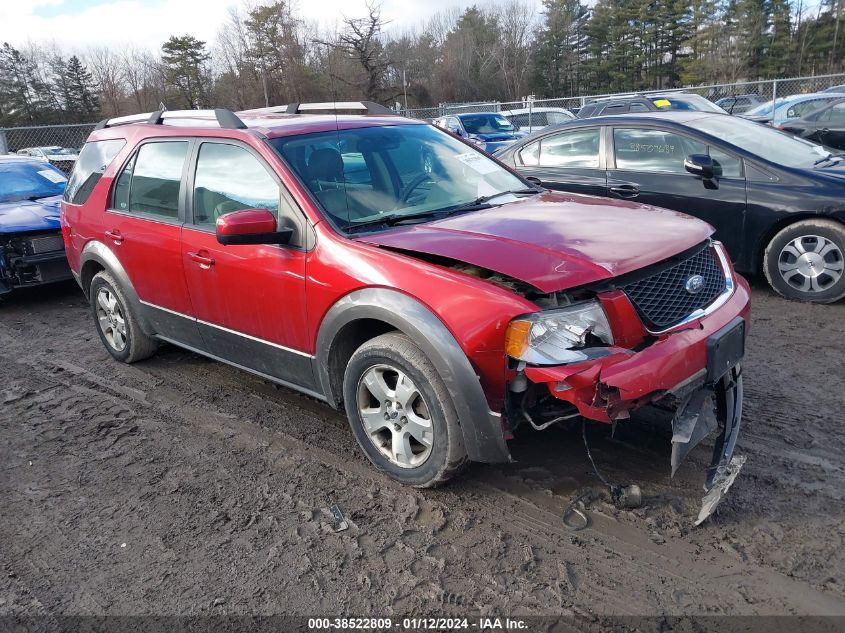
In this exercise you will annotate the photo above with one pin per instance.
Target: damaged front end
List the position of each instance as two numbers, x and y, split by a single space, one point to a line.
705 405
605 373
32 259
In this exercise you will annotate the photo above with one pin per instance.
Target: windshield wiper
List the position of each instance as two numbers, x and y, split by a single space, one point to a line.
395 219
483 202
829 158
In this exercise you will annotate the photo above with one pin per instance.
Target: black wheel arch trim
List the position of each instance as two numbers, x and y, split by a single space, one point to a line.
481 428
98 252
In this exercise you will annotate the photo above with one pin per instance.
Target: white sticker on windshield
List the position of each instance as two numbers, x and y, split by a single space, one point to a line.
478 162
52 176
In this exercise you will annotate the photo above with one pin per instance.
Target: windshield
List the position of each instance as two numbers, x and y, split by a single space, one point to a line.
25 180
486 123
766 108
362 174
695 103
761 140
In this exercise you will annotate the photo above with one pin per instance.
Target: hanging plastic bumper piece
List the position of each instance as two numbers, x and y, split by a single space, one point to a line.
717 407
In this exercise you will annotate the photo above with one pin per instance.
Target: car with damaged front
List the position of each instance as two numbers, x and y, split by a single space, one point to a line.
392 270
31 246
491 131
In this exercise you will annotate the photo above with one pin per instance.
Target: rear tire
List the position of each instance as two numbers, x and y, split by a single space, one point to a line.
805 261
401 412
117 323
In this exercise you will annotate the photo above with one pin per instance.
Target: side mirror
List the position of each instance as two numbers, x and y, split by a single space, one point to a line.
700 165
791 114
251 226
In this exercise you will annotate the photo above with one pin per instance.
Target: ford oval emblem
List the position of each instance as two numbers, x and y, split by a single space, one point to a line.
694 284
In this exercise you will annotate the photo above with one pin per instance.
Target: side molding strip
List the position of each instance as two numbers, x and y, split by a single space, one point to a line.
225 329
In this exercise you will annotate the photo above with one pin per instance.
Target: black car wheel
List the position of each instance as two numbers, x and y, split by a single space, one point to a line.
117 324
401 413
806 261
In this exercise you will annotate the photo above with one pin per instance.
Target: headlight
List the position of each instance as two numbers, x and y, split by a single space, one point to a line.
553 337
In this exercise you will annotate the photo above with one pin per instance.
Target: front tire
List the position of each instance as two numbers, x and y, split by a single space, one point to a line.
117 323
806 261
401 413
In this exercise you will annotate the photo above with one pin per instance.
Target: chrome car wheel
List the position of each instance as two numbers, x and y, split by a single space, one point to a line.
395 416
811 263
110 319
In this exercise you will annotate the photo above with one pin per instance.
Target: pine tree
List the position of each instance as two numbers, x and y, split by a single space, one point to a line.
559 48
20 93
184 60
82 102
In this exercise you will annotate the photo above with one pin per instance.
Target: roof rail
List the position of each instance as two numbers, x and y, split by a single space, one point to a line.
369 107
225 118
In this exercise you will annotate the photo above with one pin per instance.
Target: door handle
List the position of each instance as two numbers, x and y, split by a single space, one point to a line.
202 259
116 236
626 191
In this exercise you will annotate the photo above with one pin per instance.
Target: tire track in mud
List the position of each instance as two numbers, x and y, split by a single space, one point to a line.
492 540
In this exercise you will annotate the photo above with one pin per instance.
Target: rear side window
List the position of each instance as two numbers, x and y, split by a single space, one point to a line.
836 113
586 111
150 182
578 148
89 167
618 108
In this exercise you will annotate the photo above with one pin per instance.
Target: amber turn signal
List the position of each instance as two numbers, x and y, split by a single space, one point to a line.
516 338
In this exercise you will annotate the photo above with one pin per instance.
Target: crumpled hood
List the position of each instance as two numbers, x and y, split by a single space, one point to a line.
30 215
554 241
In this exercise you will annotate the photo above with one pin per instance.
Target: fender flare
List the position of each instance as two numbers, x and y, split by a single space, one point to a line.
481 428
98 252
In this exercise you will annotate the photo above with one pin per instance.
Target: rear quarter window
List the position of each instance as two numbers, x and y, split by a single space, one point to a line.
89 167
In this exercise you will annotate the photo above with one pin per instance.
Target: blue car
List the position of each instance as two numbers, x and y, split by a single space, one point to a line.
32 250
491 131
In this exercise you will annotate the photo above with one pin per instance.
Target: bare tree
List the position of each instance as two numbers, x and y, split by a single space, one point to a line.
360 42
517 24
106 68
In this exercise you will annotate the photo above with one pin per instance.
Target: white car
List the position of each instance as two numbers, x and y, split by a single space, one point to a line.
52 153
61 157
533 119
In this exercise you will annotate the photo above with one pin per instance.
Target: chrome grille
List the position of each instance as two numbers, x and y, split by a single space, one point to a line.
662 299
46 244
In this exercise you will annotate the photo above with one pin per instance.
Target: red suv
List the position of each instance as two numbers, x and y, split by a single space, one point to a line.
382 265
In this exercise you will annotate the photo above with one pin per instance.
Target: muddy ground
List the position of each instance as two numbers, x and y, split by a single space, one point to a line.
182 486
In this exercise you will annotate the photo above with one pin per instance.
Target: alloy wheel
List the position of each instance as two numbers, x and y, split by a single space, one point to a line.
110 319
395 416
811 263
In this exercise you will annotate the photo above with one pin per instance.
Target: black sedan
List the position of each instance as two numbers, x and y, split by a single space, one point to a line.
825 126
776 202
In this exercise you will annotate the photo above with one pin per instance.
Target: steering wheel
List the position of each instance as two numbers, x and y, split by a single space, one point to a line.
408 189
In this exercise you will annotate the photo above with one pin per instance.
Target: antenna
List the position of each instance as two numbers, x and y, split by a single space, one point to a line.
337 124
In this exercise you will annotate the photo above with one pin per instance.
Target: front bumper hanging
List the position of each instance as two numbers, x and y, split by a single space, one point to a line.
703 411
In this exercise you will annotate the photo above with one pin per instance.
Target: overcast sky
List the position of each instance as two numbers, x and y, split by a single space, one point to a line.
78 24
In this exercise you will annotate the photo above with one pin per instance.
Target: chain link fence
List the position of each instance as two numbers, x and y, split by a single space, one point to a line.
57 143
764 90
34 139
